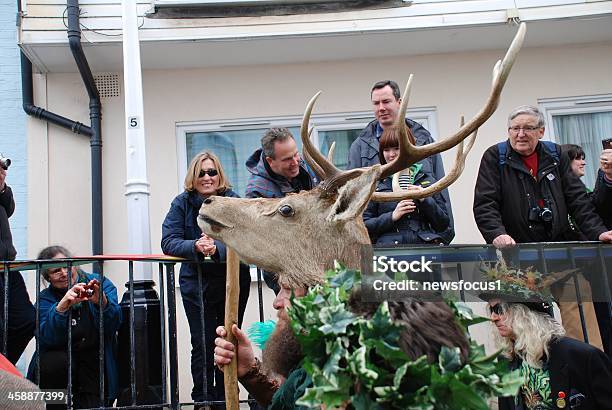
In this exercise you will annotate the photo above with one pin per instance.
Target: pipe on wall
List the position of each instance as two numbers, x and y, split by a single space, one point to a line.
94 131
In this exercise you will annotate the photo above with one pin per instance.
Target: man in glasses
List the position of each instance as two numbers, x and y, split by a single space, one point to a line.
558 372
524 193
277 170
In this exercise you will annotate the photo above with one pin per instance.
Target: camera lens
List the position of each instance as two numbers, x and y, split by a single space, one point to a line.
546 215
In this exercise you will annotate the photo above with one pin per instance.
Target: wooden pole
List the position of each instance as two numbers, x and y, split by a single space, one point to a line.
232 291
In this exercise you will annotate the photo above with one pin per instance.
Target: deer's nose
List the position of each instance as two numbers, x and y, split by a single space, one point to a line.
208 201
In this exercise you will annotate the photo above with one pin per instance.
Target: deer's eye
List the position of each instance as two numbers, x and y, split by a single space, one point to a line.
286 210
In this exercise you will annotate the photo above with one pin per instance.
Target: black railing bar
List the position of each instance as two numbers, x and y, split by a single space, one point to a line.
132 332
162 315
5 311
585 333
604 272
260 296
37 322
460 278
101 369
173 351
69 340
202 326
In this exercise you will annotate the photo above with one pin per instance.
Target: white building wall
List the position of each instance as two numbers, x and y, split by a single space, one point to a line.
456 84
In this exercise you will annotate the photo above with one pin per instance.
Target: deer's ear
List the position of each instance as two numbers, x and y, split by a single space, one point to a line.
353 197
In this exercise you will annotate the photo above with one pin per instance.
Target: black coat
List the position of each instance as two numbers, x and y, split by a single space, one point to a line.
602 199
576 369
424 225
364 153
504 195
180 231
7 207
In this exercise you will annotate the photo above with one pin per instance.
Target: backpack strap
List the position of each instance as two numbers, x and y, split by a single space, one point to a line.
501 150
551 148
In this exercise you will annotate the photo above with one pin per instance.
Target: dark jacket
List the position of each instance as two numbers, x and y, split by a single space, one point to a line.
364 153
53 329
424 225
262 184
602 199
504 194
180 231
582 372
7 207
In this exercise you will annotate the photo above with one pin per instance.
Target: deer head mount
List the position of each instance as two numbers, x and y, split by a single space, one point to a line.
301 235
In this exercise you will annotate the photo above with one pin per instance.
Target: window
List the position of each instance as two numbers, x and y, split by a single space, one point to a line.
233 141
584 121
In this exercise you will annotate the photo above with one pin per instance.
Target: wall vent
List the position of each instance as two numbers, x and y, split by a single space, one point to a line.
108 85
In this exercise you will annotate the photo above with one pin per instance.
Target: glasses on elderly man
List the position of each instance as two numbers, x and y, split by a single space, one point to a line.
497 308
209 172
526 130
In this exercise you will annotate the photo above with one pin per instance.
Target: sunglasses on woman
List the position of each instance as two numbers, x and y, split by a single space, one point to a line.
209 172
497 308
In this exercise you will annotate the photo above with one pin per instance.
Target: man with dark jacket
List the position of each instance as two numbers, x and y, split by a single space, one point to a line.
525 189
21 314
277 170
386 101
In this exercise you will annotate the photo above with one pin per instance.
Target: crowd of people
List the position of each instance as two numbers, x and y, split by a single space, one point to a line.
527 190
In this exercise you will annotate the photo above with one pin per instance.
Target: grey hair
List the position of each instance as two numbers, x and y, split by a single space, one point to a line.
527 110
533 332
270 137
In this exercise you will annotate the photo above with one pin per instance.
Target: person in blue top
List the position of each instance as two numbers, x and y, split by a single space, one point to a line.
182 237
55 302
408 221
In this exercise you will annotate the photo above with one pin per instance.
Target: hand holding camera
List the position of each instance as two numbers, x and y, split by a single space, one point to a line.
81 292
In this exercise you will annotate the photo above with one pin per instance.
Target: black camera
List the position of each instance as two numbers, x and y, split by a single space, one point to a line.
537 214
4 162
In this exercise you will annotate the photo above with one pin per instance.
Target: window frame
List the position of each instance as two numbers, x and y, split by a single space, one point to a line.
586 104
324 122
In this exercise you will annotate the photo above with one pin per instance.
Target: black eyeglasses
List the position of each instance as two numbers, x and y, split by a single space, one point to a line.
497 308
209 172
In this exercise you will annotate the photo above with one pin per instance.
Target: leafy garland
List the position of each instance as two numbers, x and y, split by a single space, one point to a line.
357 363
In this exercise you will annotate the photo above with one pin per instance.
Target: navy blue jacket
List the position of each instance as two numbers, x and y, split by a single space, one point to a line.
180 232
364 153
53 329
424 225
264 185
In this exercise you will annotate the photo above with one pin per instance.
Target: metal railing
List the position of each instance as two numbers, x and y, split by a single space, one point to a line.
166 282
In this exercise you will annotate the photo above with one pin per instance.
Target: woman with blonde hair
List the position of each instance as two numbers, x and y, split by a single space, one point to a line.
182 237
558 372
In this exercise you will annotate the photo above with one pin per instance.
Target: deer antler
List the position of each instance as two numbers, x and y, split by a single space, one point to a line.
443 183
501 70
410 154
332 177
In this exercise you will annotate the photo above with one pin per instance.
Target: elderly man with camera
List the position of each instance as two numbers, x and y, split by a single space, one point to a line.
20 310
525 191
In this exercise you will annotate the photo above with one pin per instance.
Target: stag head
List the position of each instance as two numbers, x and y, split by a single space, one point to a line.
301 235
